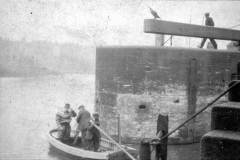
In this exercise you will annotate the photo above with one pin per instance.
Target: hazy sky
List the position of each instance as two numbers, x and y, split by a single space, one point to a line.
104 22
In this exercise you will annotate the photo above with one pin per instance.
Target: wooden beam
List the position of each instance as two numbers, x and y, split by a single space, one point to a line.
189 30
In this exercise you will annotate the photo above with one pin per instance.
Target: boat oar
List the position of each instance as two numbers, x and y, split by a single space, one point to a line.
118 145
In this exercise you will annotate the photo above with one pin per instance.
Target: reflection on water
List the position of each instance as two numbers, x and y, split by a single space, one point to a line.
184 152
27 113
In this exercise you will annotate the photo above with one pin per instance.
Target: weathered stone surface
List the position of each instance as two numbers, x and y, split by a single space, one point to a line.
220 145
226 117
159 79
234 94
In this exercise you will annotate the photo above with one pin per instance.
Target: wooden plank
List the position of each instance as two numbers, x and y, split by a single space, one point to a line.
192 86
192 90
189 30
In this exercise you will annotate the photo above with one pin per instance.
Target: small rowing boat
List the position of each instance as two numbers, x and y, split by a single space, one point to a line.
106 147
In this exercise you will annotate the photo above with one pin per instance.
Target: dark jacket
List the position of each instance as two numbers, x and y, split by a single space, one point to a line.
83 119
96 137
209 21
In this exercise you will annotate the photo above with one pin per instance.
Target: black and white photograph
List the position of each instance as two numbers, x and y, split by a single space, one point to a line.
119 80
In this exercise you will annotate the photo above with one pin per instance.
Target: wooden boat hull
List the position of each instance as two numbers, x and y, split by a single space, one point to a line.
82 153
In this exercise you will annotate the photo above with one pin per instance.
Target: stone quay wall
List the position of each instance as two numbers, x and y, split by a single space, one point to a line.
138 83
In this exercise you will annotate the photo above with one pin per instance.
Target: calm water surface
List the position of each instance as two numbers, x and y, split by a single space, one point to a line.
27 113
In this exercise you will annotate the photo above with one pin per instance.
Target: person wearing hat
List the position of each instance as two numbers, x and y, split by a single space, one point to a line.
63 119
96 135
208 22
83 119
93 136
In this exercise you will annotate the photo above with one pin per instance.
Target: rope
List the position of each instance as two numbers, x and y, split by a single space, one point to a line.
118 145
200 111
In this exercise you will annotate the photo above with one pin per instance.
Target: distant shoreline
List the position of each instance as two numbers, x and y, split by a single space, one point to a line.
35 74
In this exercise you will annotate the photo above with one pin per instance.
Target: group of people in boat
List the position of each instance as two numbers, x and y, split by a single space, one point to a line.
90 135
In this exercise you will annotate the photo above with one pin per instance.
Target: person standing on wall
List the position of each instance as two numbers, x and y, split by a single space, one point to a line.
208 22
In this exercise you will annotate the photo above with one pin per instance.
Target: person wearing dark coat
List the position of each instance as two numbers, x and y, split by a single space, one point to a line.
93 136
209 22
83 119
96 135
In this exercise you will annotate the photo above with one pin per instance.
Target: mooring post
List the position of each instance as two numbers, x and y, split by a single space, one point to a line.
162 130
155 148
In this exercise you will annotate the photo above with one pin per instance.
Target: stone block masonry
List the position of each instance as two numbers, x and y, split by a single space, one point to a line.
140 82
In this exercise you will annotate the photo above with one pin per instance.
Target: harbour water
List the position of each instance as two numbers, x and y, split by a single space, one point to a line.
27 112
